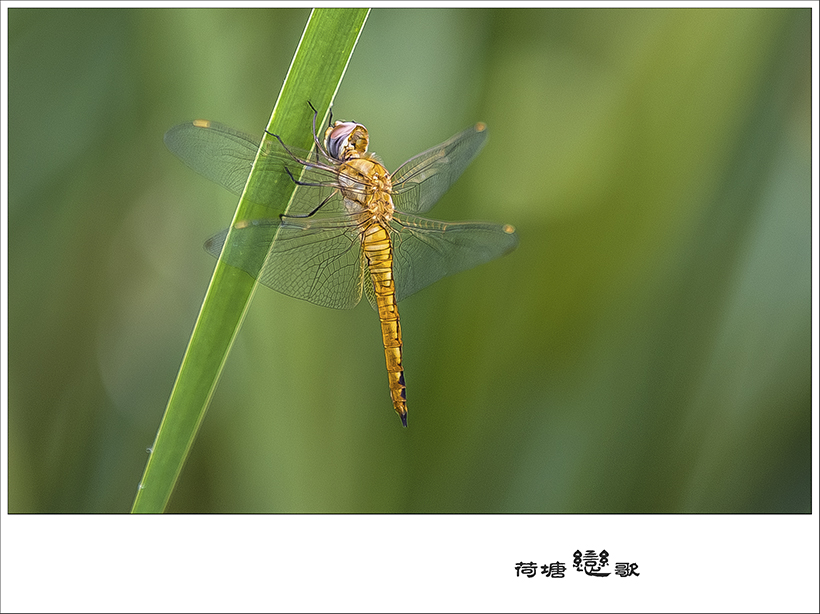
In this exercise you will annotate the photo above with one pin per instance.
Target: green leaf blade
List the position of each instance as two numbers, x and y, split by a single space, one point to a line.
315 74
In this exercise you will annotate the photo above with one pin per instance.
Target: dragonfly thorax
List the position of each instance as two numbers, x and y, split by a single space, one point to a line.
346 140
366 187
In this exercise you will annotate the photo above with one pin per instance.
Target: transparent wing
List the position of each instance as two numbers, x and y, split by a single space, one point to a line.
316 260
423 179
225 156
425 250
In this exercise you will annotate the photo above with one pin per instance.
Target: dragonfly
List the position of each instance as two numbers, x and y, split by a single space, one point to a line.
351 227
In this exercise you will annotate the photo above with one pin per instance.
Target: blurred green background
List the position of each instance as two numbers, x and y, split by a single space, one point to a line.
645 349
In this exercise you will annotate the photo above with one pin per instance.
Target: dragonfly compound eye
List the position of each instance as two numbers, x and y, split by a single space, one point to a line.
346 140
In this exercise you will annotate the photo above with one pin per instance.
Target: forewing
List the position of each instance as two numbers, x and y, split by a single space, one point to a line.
425 250
225 156
221 154
316 260
423 179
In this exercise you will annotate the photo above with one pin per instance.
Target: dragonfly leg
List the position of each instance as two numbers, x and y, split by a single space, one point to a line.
319 184
296 158
282 216
319 145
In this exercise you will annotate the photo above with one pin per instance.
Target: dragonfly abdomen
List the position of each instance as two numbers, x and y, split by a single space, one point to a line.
379 253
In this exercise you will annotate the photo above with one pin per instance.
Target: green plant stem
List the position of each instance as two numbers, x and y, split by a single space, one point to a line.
314 75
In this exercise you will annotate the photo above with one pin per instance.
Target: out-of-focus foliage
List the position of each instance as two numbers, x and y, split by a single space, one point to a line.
646 348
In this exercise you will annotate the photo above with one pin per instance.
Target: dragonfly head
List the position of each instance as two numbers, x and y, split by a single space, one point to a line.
346 140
